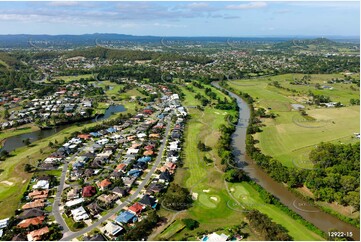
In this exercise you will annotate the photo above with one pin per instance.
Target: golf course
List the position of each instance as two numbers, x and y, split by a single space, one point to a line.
291 136
216 203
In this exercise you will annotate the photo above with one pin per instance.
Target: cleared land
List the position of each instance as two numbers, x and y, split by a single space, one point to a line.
290 137
72 78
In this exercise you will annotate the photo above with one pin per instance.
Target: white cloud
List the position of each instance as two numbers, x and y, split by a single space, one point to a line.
63 4
251 5
198 5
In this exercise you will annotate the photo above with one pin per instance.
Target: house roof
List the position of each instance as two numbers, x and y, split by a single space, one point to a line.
35 204
134 173
144 159
19 237
36 234
31 221
121 167
125 217
88 172
89 191
165 176
119 190
136 208
155 187
84 136
30 213
148 152
104 183
94 208
97 237
38 194
148 200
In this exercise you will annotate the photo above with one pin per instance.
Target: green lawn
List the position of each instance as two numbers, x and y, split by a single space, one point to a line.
249 197
72 78
290 137
70 222
174 228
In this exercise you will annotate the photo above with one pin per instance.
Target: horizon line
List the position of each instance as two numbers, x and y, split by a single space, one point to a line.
200 36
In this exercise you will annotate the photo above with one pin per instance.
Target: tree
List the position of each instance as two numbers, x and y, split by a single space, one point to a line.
236 175
190 223
6 113
4 154
27 141
177 198
28 167
79 225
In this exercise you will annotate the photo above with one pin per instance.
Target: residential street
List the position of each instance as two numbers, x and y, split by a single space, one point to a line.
59 219
69 235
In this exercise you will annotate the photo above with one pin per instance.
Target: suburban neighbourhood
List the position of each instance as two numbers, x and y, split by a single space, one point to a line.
131 162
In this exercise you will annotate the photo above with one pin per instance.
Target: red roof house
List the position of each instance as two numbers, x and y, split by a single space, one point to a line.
89 191
136 208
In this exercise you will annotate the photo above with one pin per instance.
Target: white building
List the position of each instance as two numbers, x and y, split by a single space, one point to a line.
42 184
79 214
74 202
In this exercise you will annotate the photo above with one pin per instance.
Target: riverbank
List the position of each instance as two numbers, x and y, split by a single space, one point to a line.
323 220
23 129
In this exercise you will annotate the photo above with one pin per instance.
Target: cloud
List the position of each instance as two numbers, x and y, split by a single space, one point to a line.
327 4
201 5
251 5
63 4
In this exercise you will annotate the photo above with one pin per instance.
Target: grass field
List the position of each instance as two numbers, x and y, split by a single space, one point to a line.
113 88
172 229
290 137
249 197
211 208
72 78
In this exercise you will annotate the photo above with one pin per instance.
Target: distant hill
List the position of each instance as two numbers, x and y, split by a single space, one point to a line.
311 44
99 39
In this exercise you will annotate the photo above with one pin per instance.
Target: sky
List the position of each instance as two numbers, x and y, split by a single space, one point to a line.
233 19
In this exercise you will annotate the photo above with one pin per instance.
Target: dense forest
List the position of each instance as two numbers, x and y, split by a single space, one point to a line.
133 55
336 173
115 72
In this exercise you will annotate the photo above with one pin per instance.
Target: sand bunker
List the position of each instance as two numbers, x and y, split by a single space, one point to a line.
214 198
206 190
194 196
8 183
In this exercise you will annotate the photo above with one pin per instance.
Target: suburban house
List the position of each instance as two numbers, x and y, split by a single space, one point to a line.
104 184
89 191
36 235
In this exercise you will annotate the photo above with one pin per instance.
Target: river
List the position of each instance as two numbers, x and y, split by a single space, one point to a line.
16 141
314 215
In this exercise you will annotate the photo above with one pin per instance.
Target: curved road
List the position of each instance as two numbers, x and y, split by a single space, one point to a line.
69 235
